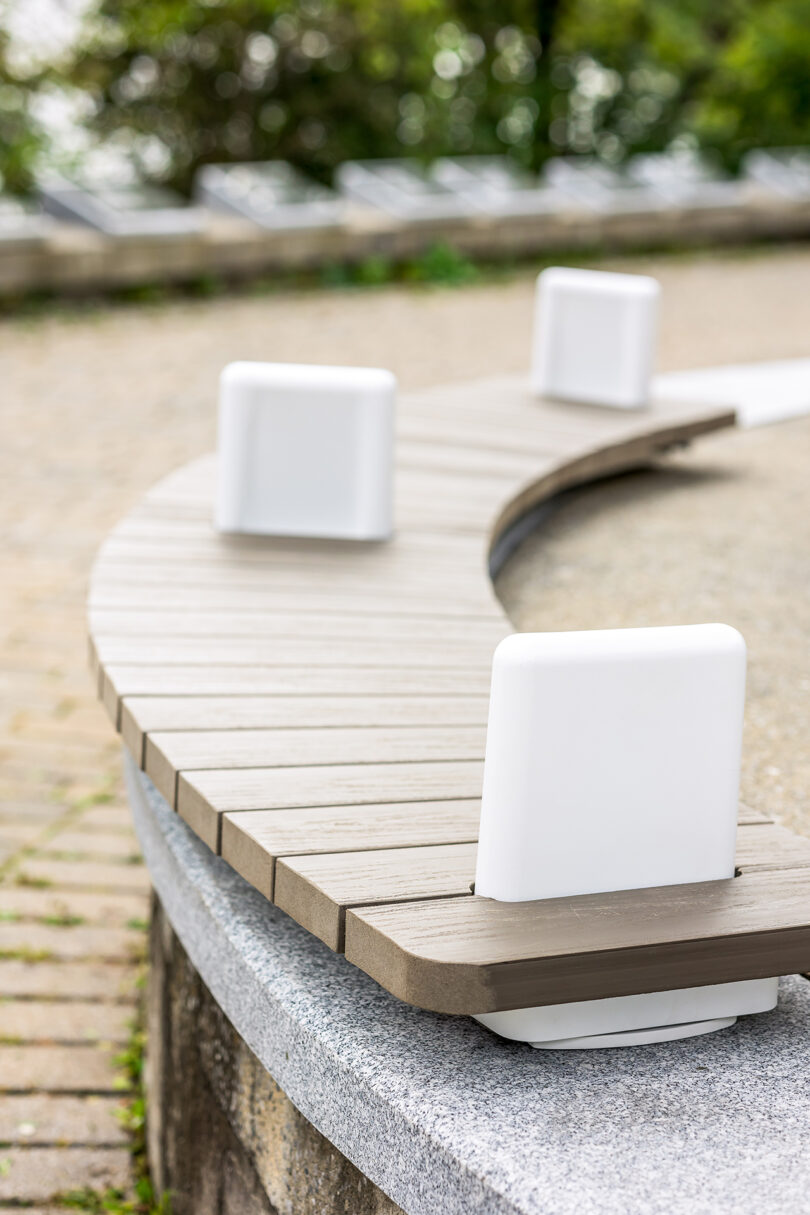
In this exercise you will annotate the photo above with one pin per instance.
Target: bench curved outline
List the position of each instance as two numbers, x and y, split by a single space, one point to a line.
315 711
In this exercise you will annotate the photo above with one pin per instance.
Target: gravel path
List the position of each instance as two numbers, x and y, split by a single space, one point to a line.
97 406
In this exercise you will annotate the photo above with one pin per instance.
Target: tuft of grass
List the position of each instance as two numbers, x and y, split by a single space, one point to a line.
206 285
137 925
102 797
132 1116
63 921
24 954
144 293
374 271
443 265
113 1202
34 883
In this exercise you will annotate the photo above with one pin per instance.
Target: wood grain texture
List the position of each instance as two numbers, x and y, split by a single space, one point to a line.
429 651
141 715
317 890
138 595
252 840
478 955
317 709
203 797
184 751
201 680
770 847
203 622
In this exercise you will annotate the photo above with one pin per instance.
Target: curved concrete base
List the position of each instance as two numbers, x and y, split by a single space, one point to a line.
445 1117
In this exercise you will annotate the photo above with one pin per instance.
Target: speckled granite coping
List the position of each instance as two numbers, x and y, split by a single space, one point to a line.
448 1119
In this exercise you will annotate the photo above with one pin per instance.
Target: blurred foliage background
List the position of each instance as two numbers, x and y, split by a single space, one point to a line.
172 84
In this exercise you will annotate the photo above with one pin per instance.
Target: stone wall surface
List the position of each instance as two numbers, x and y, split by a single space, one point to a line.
224 1139
74 259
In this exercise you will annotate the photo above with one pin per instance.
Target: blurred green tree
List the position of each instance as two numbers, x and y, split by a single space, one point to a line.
725 75
757 93
177 83
315 82
21 136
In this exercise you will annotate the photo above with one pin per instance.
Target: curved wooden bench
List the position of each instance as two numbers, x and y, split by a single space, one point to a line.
316 713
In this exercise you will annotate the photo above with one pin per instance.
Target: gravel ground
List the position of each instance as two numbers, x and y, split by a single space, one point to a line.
720 534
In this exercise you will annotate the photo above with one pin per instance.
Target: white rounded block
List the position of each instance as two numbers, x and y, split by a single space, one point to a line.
306 451
613 763
594 337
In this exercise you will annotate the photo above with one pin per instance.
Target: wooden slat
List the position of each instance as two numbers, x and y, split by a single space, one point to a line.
269 577
196 540
203 797
421 455
121 681
508 398
316 890
330 625
436 651
490 436
747 814
129 563
112 594
186 751
478 955
253 840
148 714
769 847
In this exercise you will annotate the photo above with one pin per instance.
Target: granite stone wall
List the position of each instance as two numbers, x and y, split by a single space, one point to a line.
223 1138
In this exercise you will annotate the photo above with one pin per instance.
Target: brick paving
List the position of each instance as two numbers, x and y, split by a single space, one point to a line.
96 407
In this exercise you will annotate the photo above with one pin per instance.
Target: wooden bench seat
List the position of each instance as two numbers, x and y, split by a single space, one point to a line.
316 713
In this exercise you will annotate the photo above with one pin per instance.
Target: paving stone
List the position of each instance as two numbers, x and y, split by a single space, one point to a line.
23 831
65 750
64 1021
38 1210
92 844
34 812
58 1069
68 980
107 908
105 818
38 1174
40 1118
86 874
26 941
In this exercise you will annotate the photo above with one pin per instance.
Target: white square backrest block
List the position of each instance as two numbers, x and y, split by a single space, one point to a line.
306 451
612 761
594 337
